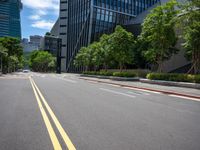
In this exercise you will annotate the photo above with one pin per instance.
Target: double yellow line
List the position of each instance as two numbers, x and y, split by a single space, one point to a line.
41 100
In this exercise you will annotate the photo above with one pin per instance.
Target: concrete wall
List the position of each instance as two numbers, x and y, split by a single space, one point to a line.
55 30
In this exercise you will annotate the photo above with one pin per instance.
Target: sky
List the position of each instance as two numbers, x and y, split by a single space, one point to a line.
38 16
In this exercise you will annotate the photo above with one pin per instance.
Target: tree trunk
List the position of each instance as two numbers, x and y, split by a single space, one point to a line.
197 62
105 66
121 66
160 66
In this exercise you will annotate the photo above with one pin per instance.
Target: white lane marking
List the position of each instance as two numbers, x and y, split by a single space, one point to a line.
68 80
113 85
115 92
194 99
138 93
142 90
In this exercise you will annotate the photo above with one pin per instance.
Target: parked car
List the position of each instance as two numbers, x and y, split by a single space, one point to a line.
26 71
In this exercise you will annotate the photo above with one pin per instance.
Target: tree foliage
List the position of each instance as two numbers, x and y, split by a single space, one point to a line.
116 47
42 61
190 21
158 33
122 45
12 54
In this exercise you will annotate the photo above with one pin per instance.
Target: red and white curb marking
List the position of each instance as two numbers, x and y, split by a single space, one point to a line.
169 93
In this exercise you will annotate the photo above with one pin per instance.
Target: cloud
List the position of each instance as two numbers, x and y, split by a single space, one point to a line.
35 17
41 4
43 24
41 10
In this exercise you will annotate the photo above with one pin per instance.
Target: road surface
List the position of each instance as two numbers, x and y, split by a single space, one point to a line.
49 111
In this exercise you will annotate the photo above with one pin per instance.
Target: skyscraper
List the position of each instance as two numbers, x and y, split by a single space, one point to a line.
10 18
84 21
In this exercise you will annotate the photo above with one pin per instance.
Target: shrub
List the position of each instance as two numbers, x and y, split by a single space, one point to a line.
197 78
174 77
111 73
106 73
124 74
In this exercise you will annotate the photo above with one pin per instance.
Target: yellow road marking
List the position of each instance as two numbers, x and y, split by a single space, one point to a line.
49 127
64 135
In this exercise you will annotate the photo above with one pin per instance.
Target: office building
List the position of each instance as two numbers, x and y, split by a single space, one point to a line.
35 40
84 21
51 44
33 44
10 18
28 46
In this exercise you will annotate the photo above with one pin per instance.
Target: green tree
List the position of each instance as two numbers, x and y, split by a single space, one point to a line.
14 51
42 61
85 57
121 43
106 51
97 55
190 21
3 54
158 33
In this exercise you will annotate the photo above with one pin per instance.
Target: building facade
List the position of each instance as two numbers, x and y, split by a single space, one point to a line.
35 40
84 21
28 46
51 44
10 18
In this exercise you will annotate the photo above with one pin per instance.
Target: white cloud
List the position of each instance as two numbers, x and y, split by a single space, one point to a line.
40 10
34 17
43 24
41 4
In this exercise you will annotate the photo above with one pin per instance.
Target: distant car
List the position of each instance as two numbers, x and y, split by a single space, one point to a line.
26 71
19 70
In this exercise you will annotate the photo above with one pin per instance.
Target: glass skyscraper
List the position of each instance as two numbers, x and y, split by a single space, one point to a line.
87 20
10 18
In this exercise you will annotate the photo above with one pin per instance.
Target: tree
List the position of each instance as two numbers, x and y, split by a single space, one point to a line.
190 20
42 61
158 34
14 53
85 57
3 54
48 33
98 55
122 45
105 51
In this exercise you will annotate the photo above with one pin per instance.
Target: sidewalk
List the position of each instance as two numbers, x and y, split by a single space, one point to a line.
180 91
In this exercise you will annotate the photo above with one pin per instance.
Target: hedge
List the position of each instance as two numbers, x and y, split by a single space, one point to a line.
124 74
109 73
174 77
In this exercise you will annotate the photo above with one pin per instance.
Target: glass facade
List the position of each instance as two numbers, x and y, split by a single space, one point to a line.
10 18
89 19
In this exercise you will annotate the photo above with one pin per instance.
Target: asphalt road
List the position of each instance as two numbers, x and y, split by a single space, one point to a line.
48 111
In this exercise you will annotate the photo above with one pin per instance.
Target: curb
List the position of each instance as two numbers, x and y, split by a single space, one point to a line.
147 89
112 77
171 83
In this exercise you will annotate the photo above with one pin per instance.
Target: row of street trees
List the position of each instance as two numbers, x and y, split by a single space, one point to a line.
111 50
11 54
154 45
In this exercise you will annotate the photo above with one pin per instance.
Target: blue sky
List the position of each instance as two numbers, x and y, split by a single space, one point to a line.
38 16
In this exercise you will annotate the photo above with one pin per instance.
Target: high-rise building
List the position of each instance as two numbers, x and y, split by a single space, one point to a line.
10 18
35 40
84 21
